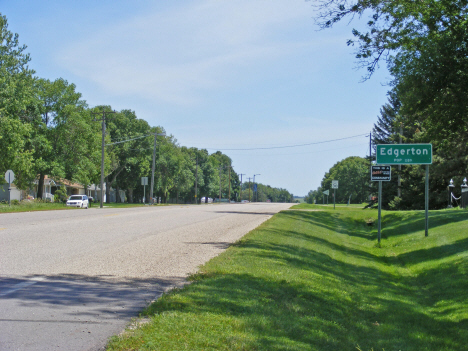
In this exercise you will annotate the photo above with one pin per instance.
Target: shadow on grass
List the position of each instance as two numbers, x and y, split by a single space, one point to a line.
396 223
335 304
281 314
401 224
334 222
429 254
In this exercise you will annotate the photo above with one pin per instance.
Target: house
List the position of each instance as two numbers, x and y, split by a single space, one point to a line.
16 194
51 185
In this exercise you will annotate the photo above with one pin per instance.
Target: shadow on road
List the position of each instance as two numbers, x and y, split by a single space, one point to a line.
100 297
248 213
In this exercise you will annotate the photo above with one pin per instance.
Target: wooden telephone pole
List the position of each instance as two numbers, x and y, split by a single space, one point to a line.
103 121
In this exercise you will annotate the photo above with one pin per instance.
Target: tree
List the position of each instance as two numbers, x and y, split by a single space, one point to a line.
386 130
62 111
208 183
129 150
424 46
266 193
17 107
353 176
170 165
314 195
79 145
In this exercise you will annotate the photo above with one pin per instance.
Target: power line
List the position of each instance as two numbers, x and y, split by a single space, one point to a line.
289 146
124 141
308 152
128 136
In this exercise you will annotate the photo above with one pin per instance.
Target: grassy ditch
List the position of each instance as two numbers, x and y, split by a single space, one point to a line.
316 280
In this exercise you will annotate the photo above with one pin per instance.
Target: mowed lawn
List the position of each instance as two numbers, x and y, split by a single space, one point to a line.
314 278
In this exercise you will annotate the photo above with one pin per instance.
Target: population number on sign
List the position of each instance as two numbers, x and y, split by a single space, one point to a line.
404 154
334 184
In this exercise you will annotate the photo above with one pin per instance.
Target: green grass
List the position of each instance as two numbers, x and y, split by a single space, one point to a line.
27 206
316 280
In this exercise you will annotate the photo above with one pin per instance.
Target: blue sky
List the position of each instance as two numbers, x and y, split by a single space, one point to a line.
220 75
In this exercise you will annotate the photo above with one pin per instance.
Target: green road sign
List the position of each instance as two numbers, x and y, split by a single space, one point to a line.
404 154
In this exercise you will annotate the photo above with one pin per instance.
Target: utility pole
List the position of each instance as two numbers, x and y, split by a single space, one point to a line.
103 120
241 188
220 183
249 188
196 182
229 198
152 167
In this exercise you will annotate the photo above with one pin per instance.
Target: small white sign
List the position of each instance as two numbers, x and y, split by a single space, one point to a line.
9 176
334 184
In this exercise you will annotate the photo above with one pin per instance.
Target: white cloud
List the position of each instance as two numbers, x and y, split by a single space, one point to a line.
175 55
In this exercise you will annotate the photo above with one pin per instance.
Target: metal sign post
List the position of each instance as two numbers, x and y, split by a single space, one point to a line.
427 203
9 177
334 187
380 213
380 173
326 192
144 182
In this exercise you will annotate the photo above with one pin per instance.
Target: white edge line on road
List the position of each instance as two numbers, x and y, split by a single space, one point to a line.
20 286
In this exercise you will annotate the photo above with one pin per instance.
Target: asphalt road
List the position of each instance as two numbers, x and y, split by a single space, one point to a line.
71 279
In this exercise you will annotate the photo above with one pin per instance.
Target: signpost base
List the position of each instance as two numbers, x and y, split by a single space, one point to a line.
427 202
380 212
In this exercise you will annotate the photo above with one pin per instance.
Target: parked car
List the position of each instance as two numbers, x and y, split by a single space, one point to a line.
78 201
203 200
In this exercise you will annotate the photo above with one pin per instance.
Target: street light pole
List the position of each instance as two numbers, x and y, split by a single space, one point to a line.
152 167
255 188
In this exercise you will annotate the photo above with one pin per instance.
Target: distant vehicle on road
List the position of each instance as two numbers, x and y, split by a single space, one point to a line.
202 200
244 201
78 201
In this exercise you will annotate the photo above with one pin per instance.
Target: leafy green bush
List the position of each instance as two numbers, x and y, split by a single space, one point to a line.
395 204
61 195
